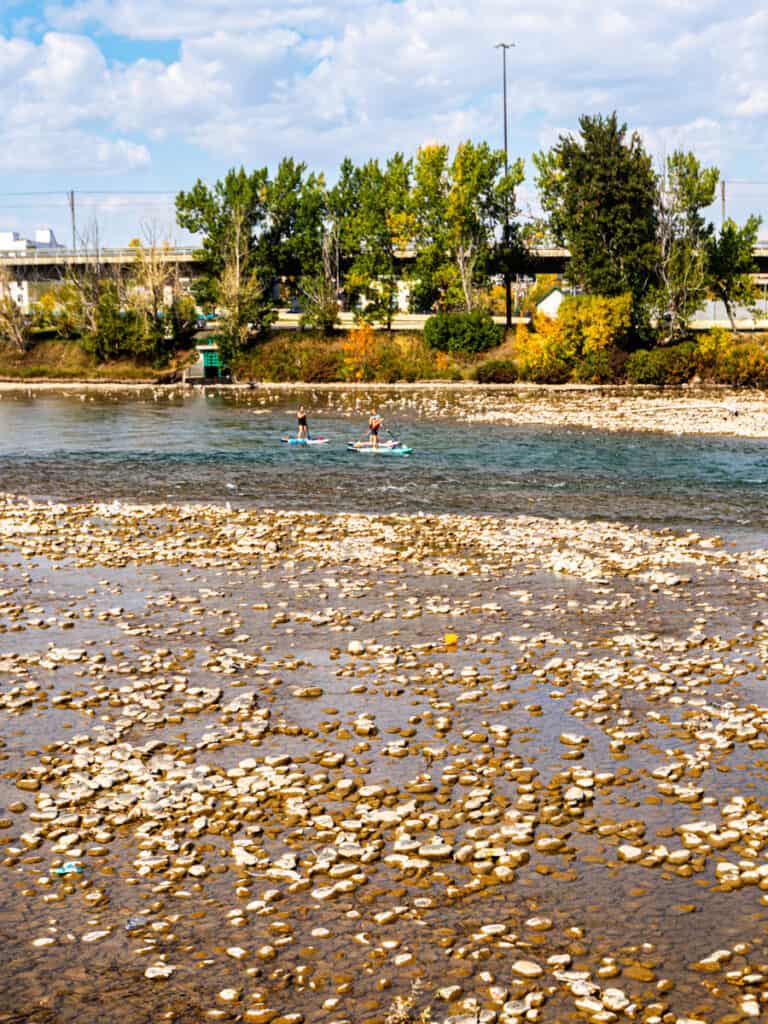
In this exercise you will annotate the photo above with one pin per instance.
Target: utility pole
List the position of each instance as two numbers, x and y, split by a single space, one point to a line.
507 279
722 202
72 218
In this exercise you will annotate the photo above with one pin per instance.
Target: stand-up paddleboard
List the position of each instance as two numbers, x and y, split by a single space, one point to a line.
362 445
303 442
368 449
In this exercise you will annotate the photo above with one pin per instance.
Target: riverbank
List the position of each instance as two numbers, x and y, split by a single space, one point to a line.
685 410
273 766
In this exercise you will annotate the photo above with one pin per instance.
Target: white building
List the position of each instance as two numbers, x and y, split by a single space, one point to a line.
549 304
12 243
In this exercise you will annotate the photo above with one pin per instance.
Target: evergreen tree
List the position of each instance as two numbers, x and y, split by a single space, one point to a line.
599 191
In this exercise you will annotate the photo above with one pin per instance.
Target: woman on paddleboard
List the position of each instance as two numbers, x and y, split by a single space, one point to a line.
375 423
302 425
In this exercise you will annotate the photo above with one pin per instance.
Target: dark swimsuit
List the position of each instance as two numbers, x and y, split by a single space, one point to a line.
302 421
374 430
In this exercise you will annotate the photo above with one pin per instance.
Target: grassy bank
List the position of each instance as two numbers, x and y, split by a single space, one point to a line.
364 356
358 357
56 359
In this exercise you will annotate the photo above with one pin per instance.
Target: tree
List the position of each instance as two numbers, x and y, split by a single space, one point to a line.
320 290
15 325
731 263
380 230
151 281
342 208
290 243
230 217
167 315
239 291
81 291
683 191
460 208
117 331
599 192
210 212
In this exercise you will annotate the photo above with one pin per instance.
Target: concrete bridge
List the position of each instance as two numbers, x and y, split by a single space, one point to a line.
38 262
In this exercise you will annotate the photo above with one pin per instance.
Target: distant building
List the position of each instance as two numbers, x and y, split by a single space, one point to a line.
549 304
12 243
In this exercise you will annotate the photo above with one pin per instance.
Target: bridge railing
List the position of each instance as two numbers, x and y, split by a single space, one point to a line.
100 255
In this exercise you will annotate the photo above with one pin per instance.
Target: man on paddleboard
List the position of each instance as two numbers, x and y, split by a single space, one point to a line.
302 425
375 423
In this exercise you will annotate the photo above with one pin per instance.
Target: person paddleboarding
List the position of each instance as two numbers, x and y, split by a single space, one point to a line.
375 423
302 427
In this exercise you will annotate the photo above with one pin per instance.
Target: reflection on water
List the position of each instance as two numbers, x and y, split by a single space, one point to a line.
218 448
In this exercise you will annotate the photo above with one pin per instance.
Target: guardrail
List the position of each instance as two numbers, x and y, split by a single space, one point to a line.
183 253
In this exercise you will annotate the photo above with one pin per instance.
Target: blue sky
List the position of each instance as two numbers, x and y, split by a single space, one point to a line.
121 98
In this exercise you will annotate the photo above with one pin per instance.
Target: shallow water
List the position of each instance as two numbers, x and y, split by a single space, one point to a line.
214 447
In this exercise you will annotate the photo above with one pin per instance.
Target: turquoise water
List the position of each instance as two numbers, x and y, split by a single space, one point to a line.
215 448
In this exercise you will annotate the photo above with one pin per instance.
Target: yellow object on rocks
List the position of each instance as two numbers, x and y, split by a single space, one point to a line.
450 639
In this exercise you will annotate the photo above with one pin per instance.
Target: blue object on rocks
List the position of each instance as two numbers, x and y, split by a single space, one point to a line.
69 868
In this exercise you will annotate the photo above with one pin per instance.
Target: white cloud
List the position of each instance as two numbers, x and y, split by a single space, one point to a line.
252 82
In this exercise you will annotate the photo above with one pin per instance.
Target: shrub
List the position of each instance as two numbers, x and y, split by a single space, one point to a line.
712 347
603 367
721 358
743 364
360 353
673 365
321 364
546 356
595 322
496 371
462 333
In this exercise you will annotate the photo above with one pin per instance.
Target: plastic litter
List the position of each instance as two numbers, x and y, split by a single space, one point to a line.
69 868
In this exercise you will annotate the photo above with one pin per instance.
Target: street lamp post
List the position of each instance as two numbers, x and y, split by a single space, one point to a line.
507 279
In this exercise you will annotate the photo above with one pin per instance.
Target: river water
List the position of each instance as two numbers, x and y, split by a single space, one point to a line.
215 447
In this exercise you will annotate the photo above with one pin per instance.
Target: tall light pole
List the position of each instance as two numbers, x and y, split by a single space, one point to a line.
507 279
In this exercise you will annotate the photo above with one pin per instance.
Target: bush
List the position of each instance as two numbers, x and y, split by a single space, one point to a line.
673 365
363 355
743 364
711 348
546 356
496 371
603 367
463 333
595 322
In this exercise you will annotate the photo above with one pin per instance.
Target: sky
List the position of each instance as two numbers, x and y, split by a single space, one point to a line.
128 101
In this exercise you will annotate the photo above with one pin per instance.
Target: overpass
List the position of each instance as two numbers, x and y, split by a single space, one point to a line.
40 265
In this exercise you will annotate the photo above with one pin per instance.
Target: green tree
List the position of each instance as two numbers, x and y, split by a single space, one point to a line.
343 206
599 191
380 230
460 208
117 331
731 263
239 276
684 190
210 212
289 245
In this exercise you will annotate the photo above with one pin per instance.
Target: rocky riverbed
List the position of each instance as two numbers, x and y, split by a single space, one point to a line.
281 767
684 410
